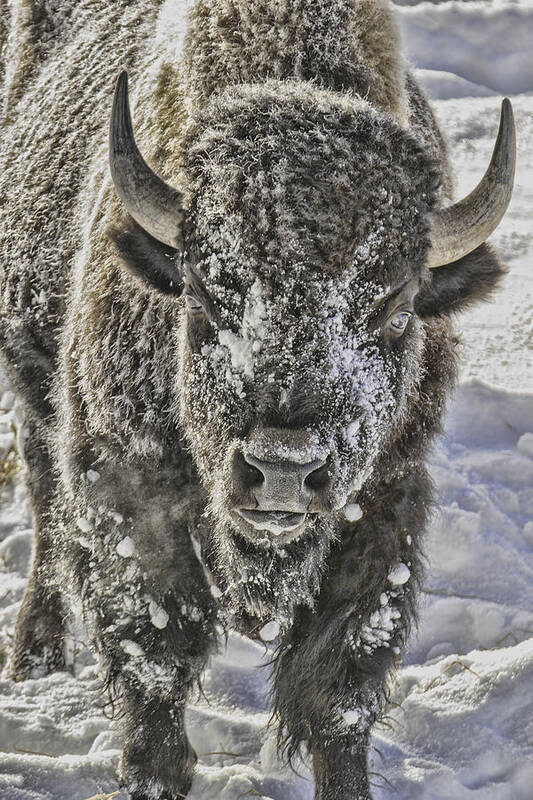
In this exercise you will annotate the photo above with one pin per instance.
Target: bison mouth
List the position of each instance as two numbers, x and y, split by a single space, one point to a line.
283 525
280 478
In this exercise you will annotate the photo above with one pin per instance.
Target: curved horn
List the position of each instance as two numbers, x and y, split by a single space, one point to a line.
460 228
155 205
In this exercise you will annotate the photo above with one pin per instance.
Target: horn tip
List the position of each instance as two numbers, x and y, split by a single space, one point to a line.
122 82
121 137
507 103
507 110
507 124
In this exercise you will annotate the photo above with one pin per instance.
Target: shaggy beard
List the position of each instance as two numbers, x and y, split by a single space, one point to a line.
267 581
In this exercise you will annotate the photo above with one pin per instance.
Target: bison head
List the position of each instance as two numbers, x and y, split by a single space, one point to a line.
301 257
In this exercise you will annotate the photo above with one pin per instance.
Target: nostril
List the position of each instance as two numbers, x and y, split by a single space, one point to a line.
319 478
249 475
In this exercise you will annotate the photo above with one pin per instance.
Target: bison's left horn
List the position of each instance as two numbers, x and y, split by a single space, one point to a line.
459 229
156 206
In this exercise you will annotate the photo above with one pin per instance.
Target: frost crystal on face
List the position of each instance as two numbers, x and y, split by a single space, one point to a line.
352 430
240 351
7 401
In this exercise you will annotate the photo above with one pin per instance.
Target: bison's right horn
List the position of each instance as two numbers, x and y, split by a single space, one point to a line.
458 229
156 206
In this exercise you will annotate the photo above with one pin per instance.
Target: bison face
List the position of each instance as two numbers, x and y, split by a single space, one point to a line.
306 239
289 390
304 250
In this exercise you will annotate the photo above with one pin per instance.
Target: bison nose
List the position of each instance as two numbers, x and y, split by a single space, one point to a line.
282 486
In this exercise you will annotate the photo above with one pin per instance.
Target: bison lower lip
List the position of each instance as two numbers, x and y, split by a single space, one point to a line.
276 522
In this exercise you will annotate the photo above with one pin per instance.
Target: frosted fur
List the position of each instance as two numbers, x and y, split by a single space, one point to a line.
340 44
309 160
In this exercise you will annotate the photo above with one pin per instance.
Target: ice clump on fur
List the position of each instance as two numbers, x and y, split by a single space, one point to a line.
126 547
399 575
352 512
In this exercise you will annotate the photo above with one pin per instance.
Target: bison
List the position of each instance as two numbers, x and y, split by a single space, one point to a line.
232 361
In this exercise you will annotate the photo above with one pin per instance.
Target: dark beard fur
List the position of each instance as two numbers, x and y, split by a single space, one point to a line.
264 582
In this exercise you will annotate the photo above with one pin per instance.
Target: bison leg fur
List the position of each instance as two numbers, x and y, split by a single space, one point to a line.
330 705
157 758
333 665
150 614
39 631
332 717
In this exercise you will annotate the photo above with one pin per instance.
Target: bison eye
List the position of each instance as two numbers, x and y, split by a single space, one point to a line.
193 304
398 322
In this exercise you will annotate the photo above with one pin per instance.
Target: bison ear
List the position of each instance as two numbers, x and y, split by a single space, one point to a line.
461 284
154 264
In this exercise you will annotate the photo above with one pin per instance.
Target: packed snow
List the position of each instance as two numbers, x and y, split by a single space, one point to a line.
460 721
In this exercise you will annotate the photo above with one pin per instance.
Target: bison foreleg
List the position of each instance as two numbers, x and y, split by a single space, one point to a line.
157 758
328 698
154 646
149 612
38 647
340 770
39 632
326 703
331 677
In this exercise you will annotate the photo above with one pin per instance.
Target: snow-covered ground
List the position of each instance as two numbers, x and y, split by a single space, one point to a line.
461 721
467 56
